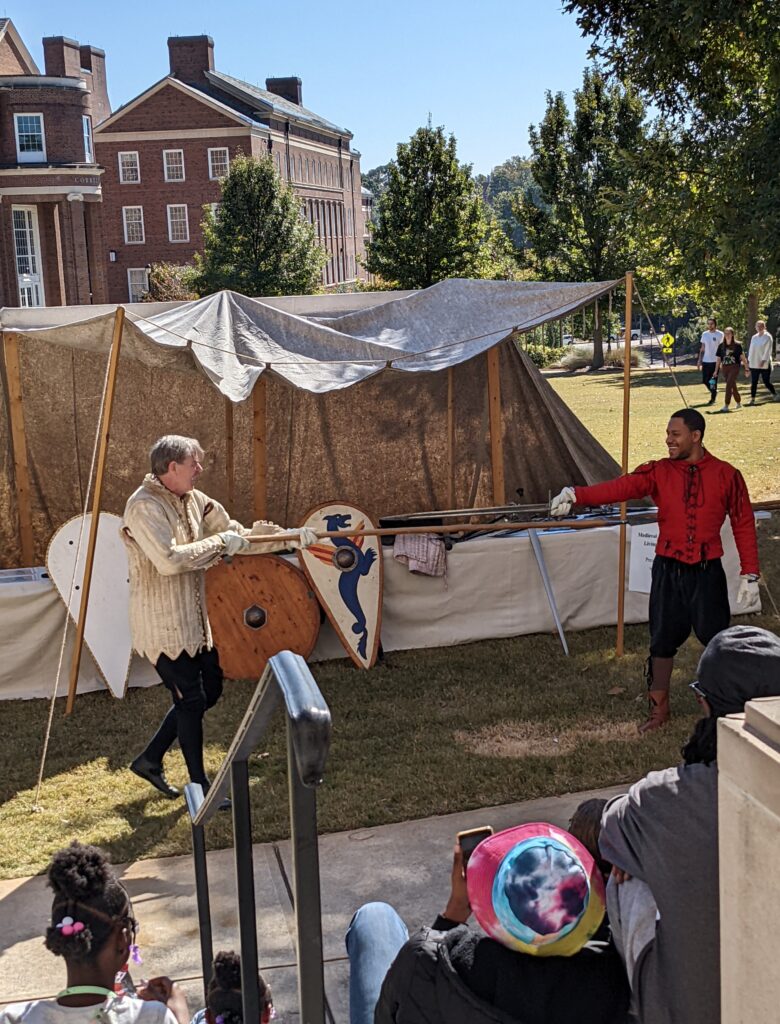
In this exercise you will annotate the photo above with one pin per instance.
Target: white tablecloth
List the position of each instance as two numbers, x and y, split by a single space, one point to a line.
492 589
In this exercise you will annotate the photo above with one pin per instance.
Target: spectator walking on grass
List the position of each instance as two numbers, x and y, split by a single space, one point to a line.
662 839
93 929
760 361
710 340
730 357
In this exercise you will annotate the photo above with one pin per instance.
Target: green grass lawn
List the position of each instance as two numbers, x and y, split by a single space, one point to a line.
428 732
748 439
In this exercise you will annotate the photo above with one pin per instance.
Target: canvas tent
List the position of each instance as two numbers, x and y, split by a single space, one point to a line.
411 404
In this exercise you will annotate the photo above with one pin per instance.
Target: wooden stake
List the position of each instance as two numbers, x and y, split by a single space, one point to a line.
259 449
229 468
100 472
450 437
19 447
621 609
496 427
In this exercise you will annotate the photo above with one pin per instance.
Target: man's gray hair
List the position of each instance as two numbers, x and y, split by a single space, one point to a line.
172 448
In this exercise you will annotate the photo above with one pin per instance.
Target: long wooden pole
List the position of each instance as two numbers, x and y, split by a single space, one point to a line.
105 433
386 531
621 609
259 450
229 466
496 427
450 437
19 447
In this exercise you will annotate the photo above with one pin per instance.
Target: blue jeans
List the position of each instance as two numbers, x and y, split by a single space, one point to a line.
374 936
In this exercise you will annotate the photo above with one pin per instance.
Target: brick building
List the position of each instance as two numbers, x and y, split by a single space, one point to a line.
164 152
51 245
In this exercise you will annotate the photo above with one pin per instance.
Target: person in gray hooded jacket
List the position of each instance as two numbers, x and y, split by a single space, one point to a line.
662 838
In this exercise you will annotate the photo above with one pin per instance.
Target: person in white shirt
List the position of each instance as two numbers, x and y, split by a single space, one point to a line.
93 929
760 361
710 341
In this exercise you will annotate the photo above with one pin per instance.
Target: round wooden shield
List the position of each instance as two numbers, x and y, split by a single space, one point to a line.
259 605
346 574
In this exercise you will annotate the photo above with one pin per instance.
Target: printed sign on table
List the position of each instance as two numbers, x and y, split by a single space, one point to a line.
640 566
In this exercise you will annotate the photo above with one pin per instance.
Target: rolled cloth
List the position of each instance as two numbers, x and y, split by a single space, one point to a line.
739 664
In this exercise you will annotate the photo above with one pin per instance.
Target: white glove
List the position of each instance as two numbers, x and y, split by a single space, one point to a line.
233 542
748 590
305 537
562 503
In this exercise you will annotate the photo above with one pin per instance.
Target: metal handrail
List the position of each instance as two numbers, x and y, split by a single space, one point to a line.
308 742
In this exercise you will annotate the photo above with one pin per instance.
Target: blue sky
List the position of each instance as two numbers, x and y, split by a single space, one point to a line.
378 69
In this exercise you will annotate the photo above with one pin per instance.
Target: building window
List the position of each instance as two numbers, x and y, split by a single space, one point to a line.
30 141
86 124
214 207
129 168
178 224
133 217
137 283
27 245
219 163
307 168
173 164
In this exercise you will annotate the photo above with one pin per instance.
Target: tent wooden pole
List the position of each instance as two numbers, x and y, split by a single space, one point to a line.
229 466
19 447
496 427
100 472
450 437
621 609
259 450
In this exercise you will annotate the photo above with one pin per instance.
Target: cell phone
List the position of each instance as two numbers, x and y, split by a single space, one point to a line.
470 840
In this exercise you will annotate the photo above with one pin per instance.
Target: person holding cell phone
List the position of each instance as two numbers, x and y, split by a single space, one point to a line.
538 896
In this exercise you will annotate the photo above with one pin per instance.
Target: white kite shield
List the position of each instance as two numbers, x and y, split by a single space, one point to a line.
107 629
346 575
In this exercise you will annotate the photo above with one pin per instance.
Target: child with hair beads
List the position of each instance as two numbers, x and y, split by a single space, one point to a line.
223 997
93 929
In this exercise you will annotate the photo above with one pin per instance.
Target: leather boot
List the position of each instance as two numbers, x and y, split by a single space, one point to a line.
659 713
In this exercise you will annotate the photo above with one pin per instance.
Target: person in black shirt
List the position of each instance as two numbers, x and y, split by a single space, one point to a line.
729 358
452 974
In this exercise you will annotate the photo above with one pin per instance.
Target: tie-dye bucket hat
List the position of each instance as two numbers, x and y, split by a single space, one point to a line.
535 888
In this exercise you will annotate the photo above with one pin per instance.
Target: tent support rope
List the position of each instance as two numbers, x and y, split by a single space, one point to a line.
663 356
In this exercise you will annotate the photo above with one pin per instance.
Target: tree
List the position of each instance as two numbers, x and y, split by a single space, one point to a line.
500 191
711 70
431 223
258 243
580 225
171 282
376 180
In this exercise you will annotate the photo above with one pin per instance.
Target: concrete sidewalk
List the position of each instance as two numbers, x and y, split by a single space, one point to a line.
407 864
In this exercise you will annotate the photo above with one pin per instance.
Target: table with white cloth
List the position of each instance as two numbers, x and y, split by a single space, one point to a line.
493 588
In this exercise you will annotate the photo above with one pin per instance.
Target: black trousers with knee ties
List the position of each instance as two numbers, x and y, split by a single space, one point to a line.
195 684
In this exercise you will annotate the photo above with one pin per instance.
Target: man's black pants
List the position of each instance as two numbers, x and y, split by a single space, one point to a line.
683 598
195 683
707 375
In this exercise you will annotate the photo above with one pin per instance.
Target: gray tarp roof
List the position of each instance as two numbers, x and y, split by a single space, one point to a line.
233 338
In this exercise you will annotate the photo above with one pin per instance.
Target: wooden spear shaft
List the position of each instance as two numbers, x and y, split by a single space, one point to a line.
553 524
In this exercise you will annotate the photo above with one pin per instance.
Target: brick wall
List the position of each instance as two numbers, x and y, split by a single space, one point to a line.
62 111
11 61
154 194
171 109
